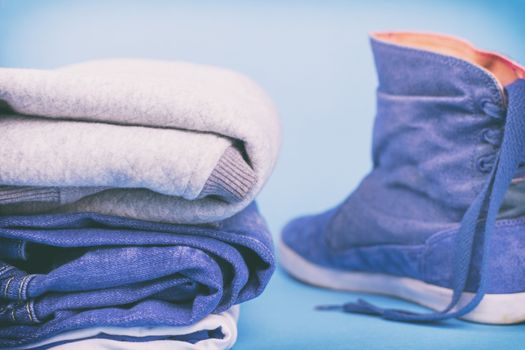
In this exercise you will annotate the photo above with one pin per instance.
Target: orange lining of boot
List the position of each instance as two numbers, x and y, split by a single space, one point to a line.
505 70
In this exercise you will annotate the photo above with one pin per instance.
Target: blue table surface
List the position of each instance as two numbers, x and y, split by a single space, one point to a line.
313 58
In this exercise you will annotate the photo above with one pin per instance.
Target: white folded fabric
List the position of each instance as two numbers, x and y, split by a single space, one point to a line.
89 339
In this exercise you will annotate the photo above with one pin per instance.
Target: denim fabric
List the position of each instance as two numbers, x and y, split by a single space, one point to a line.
428 149
431 261
513 206
89 270
437 134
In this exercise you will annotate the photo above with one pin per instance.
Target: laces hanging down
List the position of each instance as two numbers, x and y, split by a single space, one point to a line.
481 215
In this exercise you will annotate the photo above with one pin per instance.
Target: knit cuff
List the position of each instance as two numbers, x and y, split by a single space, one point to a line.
232 179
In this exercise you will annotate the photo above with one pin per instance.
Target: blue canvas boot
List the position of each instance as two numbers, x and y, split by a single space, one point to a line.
440 219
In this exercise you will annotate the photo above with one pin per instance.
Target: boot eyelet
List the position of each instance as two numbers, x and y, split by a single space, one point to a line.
486 135
485 163
491 136
492 110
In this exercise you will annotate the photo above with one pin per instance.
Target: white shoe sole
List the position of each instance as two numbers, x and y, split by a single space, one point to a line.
493 309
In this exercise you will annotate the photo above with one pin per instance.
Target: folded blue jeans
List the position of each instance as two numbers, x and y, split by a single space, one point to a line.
70 271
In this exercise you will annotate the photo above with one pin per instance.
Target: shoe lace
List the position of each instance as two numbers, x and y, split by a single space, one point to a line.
485 206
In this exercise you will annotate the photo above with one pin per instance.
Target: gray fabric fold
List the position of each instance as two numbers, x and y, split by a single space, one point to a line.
161 141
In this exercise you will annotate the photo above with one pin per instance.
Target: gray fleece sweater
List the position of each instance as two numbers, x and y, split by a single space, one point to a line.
160 141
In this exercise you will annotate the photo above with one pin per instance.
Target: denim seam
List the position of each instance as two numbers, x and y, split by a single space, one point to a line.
29 312
13 315
26 290
6 268
225 235
435 239
22 291
129 318
256 242
439 236
126 319
59 330
21 287
6 287
32 313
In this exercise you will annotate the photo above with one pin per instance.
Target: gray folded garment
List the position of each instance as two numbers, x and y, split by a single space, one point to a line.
160 141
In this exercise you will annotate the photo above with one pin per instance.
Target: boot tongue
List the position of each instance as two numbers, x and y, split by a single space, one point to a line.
406 70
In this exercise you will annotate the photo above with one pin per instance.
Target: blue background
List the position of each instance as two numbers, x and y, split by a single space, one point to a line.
314 60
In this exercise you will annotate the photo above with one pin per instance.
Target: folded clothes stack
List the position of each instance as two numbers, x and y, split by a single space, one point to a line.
126 204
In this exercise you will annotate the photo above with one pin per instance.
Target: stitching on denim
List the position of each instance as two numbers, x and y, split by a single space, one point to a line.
61 329
224 236
122 319
437 238
13 316
198 248
26 288
32 312
6 287
21 286
28 310
6 268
